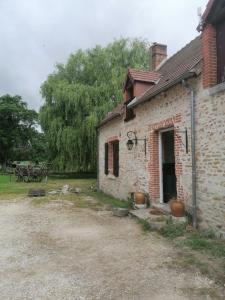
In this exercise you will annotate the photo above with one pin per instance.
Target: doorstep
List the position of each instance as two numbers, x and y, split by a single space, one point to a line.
140 213
163 206
156 221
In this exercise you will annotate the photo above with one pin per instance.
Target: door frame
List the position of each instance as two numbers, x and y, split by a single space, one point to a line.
161 164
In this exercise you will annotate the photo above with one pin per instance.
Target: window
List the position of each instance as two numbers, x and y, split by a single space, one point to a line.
115 145
221 51
106 158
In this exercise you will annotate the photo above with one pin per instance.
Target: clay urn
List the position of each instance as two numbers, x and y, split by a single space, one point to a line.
139 198
177 208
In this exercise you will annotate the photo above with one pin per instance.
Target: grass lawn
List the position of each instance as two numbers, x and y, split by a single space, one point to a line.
10 188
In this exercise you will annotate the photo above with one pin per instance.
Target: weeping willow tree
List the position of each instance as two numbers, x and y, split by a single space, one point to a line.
79 94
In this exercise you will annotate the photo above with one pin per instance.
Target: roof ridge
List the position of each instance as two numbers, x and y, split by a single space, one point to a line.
140 70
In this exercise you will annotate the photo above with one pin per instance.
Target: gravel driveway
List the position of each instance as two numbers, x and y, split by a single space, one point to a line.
57 251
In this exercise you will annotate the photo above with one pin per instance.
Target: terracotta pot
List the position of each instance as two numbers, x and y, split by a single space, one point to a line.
139 198
177 208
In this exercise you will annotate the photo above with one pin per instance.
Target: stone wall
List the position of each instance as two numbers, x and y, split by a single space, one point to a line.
210 142
136 172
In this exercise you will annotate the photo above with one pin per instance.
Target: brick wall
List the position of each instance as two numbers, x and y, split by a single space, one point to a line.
141 87
209 56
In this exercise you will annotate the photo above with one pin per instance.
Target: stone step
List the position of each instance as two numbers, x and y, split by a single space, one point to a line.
156 221
162 206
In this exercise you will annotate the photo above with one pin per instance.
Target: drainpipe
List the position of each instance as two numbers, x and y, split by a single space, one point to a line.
193 157
97 156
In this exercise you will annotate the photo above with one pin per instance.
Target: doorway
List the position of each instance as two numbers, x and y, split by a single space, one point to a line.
168 187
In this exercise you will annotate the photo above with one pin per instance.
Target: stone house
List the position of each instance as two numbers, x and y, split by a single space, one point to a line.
172 119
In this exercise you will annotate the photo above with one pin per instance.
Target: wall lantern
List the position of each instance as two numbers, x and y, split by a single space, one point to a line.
133 140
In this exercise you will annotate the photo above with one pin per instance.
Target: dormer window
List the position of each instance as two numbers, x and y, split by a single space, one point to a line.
136 83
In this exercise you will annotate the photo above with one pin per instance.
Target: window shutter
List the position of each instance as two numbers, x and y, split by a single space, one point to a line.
116 158
106 158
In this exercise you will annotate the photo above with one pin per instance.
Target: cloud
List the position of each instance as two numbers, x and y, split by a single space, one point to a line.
36 34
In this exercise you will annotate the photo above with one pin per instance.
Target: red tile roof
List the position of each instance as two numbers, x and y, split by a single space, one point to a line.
145 76
179 65
116 112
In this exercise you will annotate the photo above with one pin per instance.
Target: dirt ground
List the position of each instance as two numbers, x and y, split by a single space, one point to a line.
56 250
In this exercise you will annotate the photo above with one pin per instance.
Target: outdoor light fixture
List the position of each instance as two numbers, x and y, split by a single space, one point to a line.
132 140
130 144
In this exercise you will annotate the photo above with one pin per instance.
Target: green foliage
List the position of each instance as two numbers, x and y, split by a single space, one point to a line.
17 128
172 230
146 226
197 241
106 199
79 94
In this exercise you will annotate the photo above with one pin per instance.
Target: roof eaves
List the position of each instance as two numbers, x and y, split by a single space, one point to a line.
110 118
147 97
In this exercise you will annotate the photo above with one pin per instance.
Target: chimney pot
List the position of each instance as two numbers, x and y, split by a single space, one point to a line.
158 53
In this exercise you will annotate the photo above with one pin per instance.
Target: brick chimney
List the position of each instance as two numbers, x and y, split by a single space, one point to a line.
158 52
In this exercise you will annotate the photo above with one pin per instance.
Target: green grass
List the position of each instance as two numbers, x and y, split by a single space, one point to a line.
172 230
198 242
10 188
145 225
106 199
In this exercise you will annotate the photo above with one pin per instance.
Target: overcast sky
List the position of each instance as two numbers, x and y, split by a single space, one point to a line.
35 34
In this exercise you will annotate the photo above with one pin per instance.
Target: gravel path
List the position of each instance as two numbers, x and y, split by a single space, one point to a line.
57 251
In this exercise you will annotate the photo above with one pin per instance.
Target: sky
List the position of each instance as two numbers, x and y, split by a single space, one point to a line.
37 34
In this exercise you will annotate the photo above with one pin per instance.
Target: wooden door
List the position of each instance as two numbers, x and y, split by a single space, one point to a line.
168 166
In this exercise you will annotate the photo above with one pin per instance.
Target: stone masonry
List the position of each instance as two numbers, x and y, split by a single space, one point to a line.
138 172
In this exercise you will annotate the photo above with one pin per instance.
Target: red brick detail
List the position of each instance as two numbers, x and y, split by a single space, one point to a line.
209 49
166 123
153 166
113 138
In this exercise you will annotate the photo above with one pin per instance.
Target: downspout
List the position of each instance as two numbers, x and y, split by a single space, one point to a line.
193 156
97 133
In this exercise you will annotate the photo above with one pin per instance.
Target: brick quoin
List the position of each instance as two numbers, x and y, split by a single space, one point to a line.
209 50
153 166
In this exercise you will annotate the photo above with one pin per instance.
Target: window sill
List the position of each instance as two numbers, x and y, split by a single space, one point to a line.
111 176
215 89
